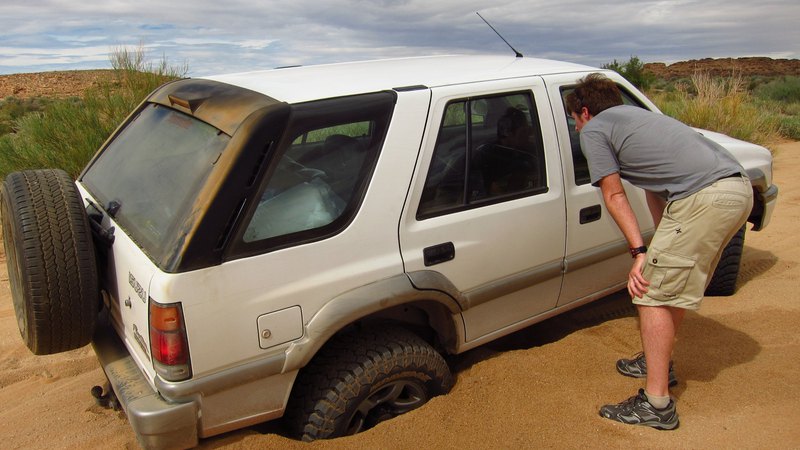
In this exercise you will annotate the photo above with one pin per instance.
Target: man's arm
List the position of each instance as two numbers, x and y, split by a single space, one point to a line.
620 208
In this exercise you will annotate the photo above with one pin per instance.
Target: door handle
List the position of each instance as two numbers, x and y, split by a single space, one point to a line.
438 254
591 214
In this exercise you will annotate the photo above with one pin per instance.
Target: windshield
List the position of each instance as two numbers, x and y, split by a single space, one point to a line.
148 177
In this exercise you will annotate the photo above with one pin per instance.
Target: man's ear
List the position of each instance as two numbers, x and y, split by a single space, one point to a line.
585 115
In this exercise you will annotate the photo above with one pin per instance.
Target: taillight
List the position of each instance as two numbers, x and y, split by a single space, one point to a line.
168 343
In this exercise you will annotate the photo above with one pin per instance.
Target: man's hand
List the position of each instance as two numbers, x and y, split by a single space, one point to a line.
637 285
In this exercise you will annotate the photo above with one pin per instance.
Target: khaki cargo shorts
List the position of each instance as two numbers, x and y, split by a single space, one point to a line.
689 241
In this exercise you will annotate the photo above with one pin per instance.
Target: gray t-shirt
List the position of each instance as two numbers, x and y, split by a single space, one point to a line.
654 152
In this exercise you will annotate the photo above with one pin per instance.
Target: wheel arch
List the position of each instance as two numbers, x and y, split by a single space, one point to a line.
433 315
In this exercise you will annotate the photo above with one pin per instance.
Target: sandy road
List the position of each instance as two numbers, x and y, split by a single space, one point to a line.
737 360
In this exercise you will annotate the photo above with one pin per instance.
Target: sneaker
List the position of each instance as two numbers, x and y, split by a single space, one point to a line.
638 411
637 368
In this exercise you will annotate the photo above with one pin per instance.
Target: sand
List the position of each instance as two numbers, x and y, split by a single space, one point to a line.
737 360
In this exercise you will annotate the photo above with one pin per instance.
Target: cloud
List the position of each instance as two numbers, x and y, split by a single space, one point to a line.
237 35
23 57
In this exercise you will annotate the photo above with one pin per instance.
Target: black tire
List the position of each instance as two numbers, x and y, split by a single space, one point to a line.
51 261
362 378
723 281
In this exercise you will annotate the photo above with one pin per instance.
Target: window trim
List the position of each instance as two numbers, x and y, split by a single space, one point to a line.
468 204
562 90
377 107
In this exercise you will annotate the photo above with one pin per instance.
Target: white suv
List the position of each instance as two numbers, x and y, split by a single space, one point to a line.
308 242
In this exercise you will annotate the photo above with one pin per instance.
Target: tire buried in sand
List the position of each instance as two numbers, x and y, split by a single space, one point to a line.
51 261
723 280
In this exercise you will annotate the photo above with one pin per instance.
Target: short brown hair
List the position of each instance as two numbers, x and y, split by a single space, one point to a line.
596 92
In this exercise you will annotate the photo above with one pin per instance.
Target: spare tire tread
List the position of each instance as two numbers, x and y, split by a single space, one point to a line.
57 287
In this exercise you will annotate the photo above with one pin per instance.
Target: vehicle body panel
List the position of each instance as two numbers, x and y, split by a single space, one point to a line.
255 318
492 273
597 258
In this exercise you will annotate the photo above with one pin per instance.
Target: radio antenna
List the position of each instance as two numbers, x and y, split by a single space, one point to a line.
519 55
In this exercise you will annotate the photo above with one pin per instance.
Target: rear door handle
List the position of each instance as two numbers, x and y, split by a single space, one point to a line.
591 214
438 254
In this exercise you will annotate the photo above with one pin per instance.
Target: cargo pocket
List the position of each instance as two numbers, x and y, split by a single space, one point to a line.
667 273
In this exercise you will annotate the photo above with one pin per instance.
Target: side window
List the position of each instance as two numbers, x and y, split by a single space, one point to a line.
488 150
320 175
579 163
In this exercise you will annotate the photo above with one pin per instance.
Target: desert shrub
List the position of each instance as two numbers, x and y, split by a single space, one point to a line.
633 71
723 105
784 89
782 95
13 108
790 126
67 133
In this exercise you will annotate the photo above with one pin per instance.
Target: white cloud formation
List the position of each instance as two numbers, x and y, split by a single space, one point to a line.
211 36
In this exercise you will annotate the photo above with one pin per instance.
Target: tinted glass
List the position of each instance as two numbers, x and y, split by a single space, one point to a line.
579 163
153 170
318 175
488 149
313 182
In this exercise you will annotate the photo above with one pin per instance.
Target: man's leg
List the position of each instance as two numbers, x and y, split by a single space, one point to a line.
658 327
652 406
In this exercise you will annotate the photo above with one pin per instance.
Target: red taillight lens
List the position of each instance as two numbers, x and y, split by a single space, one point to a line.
168 348
168 341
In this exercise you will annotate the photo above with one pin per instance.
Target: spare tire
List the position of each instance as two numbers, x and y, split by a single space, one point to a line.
51 261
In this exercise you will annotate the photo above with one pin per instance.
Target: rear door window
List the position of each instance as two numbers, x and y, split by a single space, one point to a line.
488 150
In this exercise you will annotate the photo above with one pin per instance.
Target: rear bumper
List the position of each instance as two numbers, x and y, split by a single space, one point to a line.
177 415
156 422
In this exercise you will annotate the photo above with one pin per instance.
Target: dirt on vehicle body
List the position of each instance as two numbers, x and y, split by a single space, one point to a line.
251 230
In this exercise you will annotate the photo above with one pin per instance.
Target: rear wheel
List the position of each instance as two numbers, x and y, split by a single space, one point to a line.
51 262
723 281
361 379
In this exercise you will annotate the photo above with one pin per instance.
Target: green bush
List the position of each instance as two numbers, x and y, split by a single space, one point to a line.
782 95
13 109
67 133
62 136
790 127
784 89
722 105
633 71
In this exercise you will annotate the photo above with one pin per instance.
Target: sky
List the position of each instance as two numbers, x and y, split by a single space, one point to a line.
206 37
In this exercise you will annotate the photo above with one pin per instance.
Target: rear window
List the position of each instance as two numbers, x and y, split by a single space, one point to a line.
148 177
318 174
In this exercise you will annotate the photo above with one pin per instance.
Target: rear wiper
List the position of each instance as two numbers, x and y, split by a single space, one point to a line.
113 208
104 235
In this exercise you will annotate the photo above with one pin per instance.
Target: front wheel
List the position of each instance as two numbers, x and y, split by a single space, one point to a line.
363 378
723 281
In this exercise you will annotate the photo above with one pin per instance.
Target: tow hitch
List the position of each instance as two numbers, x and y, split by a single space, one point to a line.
108 400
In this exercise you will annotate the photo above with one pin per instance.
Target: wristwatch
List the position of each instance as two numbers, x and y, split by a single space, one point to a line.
638 251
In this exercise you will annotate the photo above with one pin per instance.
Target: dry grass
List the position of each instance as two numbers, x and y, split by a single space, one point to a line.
723 105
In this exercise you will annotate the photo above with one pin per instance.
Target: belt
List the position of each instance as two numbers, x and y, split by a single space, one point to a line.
735 175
